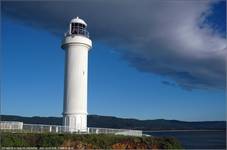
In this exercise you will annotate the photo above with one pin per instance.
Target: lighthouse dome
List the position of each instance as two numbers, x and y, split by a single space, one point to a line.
79 21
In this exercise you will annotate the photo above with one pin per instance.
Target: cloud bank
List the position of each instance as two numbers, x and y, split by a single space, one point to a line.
167 38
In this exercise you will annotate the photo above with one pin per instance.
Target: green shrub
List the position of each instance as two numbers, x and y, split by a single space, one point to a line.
99 141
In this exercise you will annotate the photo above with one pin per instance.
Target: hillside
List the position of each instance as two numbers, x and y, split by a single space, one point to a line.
114 122
85 141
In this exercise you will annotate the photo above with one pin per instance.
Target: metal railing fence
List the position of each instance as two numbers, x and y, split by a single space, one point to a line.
18 127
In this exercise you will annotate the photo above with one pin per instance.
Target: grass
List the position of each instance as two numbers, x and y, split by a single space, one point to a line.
87 141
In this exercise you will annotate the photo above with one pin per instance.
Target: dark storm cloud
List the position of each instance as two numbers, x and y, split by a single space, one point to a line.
168 38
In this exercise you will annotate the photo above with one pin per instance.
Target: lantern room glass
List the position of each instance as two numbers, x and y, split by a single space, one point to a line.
77 28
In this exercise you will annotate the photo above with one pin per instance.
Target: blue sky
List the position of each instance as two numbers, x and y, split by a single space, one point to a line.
122 82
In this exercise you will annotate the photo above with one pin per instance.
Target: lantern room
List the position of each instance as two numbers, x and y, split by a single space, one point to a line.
78 27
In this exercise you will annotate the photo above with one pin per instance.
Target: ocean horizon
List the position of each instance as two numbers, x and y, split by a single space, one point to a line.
195 139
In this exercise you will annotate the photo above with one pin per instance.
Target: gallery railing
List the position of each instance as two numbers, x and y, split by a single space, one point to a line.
78 31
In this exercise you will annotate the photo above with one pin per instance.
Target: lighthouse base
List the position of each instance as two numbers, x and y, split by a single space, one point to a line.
75 122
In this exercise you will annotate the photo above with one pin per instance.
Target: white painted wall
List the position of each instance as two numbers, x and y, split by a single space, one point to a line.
76 73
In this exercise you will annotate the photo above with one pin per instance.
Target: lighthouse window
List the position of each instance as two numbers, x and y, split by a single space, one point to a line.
77 28
74 28
82 26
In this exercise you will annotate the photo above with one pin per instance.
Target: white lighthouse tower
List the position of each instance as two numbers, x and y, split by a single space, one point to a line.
76 44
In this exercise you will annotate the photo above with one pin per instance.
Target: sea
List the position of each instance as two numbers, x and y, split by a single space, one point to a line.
195 139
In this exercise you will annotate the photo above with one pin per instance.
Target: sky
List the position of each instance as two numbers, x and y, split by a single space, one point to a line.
150 60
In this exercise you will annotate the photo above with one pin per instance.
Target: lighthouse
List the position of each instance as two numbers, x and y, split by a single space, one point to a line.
76 44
